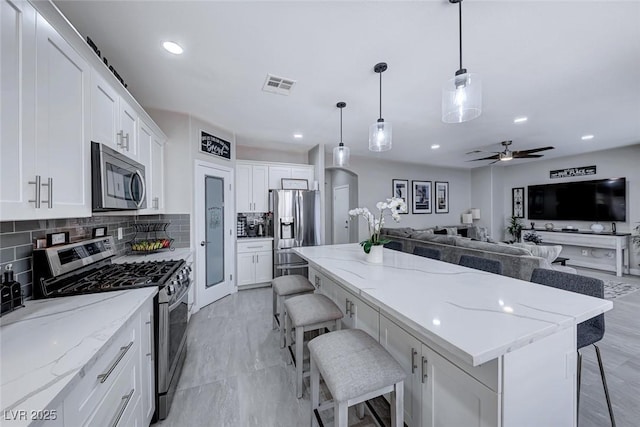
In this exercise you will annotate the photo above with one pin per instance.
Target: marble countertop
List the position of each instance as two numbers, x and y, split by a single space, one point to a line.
475 315
179 253
46 346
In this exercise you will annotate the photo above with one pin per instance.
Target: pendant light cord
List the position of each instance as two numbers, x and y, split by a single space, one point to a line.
380 116
460 29
340 126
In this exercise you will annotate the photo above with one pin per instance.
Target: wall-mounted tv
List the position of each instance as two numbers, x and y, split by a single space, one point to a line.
598 200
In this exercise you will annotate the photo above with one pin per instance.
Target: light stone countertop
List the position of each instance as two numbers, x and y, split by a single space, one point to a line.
253 239
475 315
46 346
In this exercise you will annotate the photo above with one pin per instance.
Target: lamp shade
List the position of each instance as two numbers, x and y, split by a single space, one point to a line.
475 213
467 218
380 136
462 98
341 155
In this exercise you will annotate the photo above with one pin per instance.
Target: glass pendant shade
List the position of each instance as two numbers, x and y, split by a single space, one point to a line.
462 98
341 155
380 136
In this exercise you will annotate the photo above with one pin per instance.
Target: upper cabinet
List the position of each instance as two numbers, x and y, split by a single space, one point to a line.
151 150
45 122
113 120
277 172
251 187
54 103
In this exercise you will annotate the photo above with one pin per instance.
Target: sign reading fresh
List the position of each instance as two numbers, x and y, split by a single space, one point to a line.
215 146
565 173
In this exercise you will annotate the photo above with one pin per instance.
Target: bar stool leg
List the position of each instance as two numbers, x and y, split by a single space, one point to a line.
341 414
283 326
397 405
285 340
299 359
360 410
604 384
315 391
275 310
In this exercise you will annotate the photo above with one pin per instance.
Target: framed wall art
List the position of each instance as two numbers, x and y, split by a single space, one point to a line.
421 197
442 197
400 189
517 197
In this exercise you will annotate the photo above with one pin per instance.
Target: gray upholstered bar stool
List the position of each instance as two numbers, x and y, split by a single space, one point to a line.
355 368
309 312
284 287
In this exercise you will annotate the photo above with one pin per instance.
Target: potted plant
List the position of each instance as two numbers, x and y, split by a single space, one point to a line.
515 228
636 237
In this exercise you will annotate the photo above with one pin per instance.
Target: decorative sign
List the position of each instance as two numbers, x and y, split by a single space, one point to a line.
215 146
517 205
566 173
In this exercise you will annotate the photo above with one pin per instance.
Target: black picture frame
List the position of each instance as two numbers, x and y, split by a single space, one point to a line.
99 232
400 189
215 146
441 197
59 238
517 202
422 197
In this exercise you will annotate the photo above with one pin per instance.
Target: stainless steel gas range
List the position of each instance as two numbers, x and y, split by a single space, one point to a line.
86 267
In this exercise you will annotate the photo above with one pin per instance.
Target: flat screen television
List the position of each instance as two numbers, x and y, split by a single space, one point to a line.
598 200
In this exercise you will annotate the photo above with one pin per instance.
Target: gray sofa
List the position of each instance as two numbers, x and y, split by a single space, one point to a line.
516 262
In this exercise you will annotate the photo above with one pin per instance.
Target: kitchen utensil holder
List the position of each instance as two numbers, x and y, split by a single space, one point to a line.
149 236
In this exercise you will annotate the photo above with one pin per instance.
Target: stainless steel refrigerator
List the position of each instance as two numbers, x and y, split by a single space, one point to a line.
296 222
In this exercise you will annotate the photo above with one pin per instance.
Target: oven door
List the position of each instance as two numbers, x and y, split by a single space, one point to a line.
171 348
117 181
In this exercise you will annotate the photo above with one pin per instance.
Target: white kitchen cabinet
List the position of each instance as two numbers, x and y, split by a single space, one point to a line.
113 120
255 262
277 172
251 187
51 107
118 388
406 350
451 397
151 155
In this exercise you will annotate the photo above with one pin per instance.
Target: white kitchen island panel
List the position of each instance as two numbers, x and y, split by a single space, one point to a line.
515 340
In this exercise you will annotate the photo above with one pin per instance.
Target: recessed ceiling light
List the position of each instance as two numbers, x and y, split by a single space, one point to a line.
519 120
172 47
435 146
297 135
586 137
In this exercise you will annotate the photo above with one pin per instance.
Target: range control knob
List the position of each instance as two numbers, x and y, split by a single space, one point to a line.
181 277
170 290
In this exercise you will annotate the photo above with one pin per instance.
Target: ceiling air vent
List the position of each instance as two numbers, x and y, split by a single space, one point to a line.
277 84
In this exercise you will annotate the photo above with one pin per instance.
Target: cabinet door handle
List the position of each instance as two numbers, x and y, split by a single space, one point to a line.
317 281
123 406
120 142
123 351
347 307
156 203
425 369
49 186
37 193
257 258
254 247
414 353
351 308
127 138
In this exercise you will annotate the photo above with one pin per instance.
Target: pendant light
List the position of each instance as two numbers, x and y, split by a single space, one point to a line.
462 95
341 152
380 132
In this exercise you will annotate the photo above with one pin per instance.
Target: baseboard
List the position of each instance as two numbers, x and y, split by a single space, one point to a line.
254 286
634 271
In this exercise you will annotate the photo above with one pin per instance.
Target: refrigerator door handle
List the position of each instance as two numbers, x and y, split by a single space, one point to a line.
299 219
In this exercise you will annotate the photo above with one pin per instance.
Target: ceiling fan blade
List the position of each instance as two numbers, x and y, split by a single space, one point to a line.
474 152
533 150
495 161
520 155
494 157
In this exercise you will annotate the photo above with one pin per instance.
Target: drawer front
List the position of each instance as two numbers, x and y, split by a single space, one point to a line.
122 398
100 377
255 246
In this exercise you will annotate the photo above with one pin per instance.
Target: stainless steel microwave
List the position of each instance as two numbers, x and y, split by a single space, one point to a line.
117 182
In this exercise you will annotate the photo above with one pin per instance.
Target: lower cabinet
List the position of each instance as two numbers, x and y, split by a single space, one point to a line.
255 262
119 388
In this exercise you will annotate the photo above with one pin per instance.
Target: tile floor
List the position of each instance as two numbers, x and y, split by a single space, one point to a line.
236 376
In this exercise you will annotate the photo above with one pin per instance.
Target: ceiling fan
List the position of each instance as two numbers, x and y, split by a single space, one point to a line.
507 154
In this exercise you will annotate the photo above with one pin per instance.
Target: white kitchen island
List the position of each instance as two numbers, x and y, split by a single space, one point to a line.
479 349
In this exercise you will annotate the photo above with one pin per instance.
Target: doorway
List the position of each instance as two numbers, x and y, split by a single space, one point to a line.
214 232
341 214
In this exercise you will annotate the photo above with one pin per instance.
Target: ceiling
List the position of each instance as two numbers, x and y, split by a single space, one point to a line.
571 67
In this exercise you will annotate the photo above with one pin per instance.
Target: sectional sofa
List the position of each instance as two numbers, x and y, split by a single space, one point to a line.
517 261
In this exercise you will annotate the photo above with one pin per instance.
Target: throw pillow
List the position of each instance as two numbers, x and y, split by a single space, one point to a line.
440 231
463 232
548 252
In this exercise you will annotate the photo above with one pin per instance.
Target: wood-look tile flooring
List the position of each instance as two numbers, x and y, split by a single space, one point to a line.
235 374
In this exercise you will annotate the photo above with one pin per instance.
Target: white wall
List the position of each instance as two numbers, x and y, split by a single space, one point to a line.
374 185
621 162
487 195
245 152
316 158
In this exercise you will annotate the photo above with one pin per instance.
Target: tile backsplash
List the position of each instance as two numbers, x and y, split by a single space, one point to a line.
17 237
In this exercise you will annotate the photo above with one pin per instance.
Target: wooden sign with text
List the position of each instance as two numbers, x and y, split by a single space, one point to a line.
215 146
